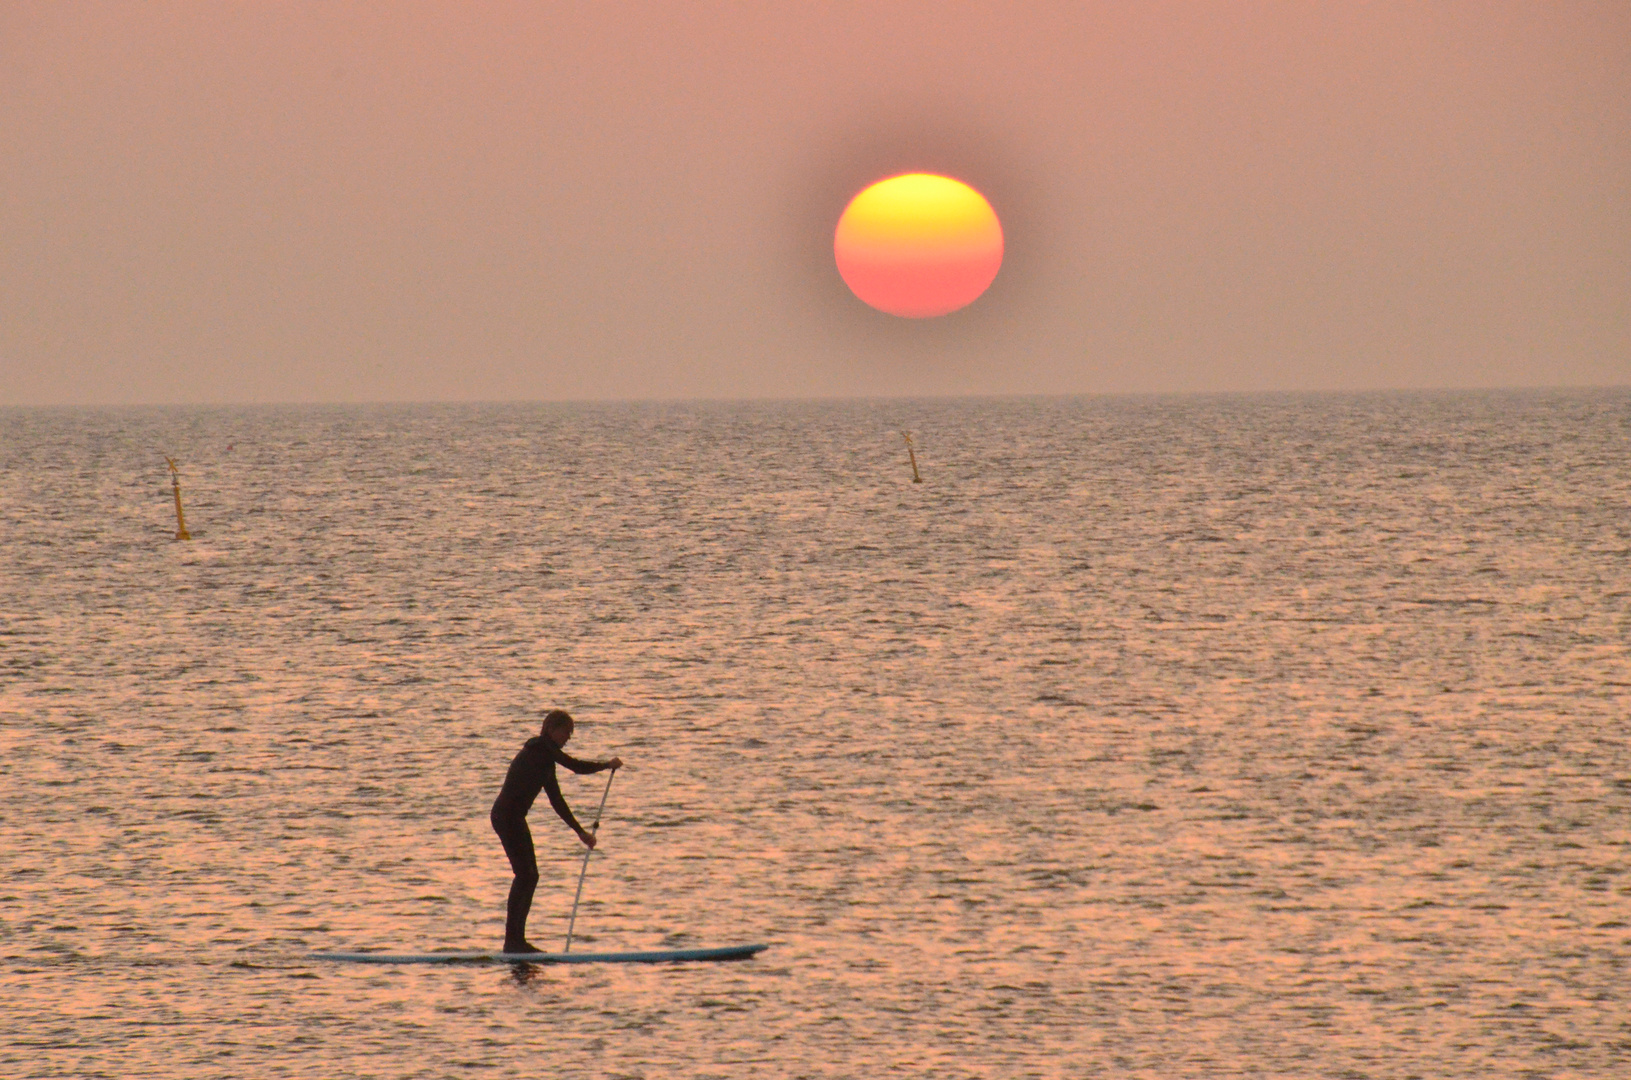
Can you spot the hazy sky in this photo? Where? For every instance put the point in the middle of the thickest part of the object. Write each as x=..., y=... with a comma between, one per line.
x=341, y=201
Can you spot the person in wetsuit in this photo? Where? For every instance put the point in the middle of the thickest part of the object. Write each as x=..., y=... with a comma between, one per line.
x=533, y=770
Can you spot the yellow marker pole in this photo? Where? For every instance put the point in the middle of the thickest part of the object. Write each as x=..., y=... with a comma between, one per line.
x=175, y=489
x=907, y=435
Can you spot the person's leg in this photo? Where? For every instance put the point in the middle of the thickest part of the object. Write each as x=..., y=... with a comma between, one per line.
x=517, y=840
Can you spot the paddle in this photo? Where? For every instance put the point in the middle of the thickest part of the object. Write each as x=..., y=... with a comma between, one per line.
x=594, y=830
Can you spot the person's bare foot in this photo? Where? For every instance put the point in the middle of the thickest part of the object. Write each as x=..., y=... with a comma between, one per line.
x=522, y=947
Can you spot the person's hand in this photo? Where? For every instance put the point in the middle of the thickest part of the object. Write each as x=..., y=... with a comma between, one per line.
x=588, y=839
x=615, y=763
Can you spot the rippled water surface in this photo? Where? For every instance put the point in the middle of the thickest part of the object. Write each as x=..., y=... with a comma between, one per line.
x=1146, y=737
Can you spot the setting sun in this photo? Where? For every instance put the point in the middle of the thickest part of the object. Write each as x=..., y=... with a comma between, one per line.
x=918, y=245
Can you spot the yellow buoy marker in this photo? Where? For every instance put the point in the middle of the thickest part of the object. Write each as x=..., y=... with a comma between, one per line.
x=175, y=489
x=907, y=435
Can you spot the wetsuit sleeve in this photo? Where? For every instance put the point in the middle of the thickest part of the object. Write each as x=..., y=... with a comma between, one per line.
x=552, y=788
x=578, y=766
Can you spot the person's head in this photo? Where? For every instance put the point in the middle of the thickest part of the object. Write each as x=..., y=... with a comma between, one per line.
x=557, y=726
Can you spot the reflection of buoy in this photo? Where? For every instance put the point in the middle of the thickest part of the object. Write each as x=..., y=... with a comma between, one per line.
x=907, y=435
x=175, y=489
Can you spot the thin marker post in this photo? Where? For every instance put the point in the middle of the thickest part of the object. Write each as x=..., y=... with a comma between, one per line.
x=175, y=489
x=594, y=830
x=907, y=435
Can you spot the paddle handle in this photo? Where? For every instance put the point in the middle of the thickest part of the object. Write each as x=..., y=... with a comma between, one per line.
x=588, y=851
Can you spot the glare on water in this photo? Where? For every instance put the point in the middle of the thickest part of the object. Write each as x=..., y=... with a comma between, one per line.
x=1183, y=737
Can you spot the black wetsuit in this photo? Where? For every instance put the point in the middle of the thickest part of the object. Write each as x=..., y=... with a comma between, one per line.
x=533, y=770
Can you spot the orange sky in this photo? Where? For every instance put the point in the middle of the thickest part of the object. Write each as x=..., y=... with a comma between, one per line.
x=397, y=201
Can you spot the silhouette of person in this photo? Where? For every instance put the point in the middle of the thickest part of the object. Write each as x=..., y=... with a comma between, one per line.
x=533, y=770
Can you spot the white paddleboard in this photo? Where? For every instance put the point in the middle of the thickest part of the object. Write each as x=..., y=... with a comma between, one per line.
x=650, y=956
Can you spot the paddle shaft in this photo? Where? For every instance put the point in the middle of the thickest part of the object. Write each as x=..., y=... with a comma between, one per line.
x=593, y=831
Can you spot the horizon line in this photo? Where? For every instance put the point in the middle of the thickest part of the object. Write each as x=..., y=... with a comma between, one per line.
x=826, y=398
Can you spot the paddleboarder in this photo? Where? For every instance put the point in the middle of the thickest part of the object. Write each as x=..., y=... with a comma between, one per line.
x=533, y=770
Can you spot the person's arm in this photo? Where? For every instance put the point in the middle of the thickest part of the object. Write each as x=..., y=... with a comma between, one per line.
x=583, y=768
x=552, y=788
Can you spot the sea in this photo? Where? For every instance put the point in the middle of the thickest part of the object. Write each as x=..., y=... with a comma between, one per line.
x=1280, y=735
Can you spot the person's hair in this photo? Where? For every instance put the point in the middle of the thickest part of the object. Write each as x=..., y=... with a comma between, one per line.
x=558, y=718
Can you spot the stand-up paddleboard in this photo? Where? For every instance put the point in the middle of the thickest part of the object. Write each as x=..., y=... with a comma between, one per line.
x=566, y=955
x=651, y=956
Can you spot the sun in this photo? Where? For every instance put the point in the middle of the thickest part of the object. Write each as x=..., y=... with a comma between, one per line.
x=918, y=245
